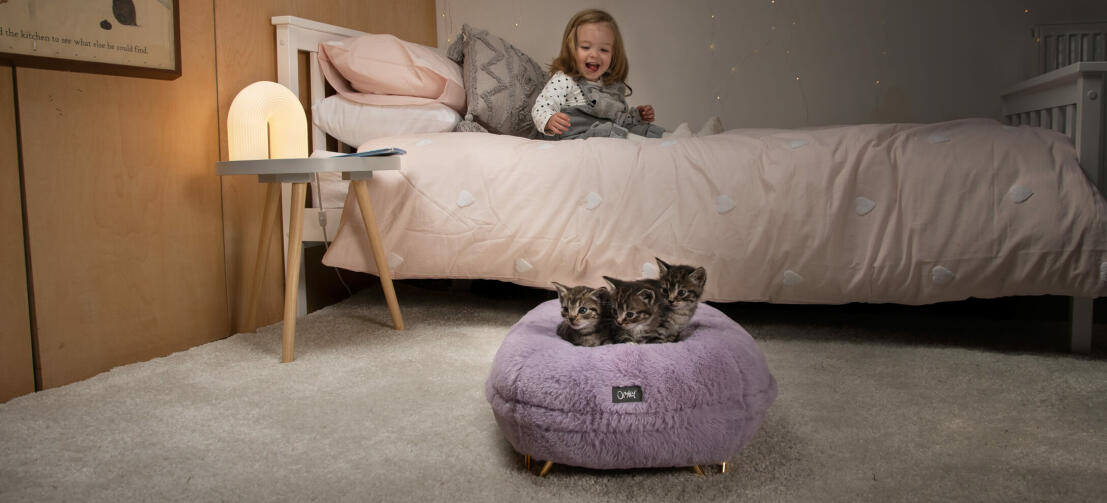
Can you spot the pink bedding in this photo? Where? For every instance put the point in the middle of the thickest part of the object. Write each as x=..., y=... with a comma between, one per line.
x=901, y=213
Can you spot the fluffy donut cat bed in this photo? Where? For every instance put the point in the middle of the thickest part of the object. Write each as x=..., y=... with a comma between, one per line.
x=697, y=401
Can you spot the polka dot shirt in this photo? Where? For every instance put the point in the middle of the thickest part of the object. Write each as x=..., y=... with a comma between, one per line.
x=561, y=91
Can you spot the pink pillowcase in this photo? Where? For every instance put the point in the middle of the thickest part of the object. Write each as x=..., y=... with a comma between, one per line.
x=384, y=70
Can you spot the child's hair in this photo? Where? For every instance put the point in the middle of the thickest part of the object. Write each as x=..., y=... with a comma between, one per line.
x=566, y=63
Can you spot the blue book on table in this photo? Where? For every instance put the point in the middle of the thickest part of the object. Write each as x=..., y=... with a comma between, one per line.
x=376, y=152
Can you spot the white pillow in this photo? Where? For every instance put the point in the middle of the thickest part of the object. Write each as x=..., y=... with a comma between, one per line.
x=355, y=123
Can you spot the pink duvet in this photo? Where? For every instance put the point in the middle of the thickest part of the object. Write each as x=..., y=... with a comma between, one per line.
x=899, y=213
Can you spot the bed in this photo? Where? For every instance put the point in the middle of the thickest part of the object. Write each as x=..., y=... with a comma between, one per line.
x=899, y=213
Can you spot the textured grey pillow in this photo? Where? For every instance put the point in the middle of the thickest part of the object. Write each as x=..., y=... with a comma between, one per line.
x=501, y=83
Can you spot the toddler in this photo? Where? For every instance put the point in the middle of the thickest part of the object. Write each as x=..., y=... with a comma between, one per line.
x=586, y=96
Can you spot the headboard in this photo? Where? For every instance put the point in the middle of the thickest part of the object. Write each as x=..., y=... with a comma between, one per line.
x=296, y=35
x=1060, y=45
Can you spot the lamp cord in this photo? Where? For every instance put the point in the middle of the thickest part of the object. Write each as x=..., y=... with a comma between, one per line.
x=323, y=225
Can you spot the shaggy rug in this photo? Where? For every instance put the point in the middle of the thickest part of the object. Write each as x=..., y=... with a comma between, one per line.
x=876, y=403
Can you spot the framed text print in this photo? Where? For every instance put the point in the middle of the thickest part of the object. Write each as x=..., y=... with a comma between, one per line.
x=137, y=38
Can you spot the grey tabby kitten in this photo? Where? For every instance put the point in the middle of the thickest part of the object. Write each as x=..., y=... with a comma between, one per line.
x=640, y=312
x=584, y=314
x=682, y=286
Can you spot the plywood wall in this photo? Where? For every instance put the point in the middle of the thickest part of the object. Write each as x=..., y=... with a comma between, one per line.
x=137, y=249
x=123, y=214
x=17, y=375
x=247, y=53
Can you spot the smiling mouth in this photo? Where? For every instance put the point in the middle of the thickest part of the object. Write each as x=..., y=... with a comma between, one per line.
x=592, y=67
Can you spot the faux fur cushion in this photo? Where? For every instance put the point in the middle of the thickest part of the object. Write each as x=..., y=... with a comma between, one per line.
x=701, y=399
x=501, y=82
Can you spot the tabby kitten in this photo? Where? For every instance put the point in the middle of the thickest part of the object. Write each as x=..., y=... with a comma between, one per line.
x=640, y=313
x=584, y=313
x=682, y=286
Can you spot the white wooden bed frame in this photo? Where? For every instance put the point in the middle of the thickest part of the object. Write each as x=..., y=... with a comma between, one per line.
x=296, y=35
x=1068, y=100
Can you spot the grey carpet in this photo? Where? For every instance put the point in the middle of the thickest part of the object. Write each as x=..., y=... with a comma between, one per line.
x=876, y=404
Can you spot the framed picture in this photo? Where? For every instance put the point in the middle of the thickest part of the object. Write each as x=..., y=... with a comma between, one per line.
x=137, y=38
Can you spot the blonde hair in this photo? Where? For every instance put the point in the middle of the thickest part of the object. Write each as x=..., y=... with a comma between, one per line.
x=567, y=63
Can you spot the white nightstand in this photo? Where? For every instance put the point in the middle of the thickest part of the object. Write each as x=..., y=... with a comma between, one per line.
x=299, y=172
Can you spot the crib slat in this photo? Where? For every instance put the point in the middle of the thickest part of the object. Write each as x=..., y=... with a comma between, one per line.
x=1062, y=49
x=1070, y=119
x=1058, y=119
x=1050, y=54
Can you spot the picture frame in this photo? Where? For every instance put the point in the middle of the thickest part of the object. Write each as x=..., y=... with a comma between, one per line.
x=135, y=38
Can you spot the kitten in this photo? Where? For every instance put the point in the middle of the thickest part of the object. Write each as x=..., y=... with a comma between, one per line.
x=584, y=313
x=640, y=313
x=682, y=286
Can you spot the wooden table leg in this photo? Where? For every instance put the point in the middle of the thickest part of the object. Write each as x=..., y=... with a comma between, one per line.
x=268, y=219
x=362, y=193
x=292, y=274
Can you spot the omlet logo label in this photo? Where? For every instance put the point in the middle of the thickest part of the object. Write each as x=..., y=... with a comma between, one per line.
x=622, y=394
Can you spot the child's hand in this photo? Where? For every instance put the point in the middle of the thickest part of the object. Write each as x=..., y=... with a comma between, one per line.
x=647, y=112
x=558, y=124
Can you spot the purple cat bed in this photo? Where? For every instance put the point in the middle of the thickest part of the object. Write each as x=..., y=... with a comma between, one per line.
x=694, y=402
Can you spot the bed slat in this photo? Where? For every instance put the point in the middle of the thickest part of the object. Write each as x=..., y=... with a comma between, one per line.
x=1060, y=45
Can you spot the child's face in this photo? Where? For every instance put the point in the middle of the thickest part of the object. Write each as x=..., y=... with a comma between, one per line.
x=595, y=41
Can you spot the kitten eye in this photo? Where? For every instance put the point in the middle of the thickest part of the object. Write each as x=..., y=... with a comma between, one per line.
x=681, y=292
x=582, y=310
x=630, y=315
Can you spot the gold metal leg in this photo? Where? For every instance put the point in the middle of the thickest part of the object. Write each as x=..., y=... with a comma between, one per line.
x=362, y=193
x=723, y=469
x=292, y=274
x=268, y=219
x=526, y=461
x=545, y=469
x=698, y=470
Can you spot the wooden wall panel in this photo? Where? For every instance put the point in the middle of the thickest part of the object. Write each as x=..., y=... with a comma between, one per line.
x=17, y=375
x=246, y=54
x=123, y=210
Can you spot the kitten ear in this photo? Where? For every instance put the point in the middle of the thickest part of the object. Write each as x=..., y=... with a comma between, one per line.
x=562, y=290
x=647, y=294
x=662, y=266
x=598, y=294
x=699, y=276
x=611, y=281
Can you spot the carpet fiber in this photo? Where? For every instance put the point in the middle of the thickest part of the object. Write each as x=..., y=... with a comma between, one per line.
x=875, y=404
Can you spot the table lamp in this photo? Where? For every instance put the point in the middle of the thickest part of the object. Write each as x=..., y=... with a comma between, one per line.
x=266, y=121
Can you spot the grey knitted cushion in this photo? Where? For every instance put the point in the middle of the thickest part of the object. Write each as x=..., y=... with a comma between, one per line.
x=501, y=82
